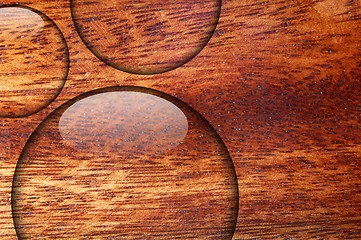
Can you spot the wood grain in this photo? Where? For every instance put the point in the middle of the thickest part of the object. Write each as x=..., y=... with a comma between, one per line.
x=280, y=82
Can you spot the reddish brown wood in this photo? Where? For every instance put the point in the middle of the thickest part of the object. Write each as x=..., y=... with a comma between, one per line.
x=280, y=83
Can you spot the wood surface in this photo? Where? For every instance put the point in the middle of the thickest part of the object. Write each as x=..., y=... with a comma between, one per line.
x=280, y=83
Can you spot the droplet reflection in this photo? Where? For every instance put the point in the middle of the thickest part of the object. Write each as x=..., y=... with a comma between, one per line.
x=13, y=17
x=125, y=121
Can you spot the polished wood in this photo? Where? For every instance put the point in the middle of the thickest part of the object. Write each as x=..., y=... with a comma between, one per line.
x=280, y=82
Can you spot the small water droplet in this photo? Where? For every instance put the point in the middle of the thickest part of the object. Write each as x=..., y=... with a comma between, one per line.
x=145, y=37
x=24, y=32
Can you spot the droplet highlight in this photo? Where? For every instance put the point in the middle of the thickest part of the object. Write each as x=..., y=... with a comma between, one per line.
x=133, y=122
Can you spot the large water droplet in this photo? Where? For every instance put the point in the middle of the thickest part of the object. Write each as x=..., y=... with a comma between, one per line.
x=145, y=37
x=33, y=61
x=125, y=163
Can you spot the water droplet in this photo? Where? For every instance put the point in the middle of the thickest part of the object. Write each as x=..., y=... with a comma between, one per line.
x=27, y=86
x=125, y=162
x=145, y=37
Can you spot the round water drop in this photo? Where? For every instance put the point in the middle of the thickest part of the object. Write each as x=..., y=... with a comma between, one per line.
x=125, y=163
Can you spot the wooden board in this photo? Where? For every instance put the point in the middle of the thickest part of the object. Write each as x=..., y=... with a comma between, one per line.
x=278, y=81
